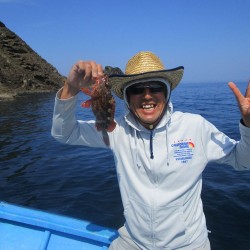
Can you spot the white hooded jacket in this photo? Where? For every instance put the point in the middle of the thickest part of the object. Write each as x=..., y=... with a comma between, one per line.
x=160, y=171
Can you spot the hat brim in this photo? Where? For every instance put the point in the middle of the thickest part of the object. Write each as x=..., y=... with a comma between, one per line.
x=118, y=82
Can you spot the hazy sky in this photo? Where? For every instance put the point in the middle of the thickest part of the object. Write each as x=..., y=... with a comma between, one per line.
x=210, y=38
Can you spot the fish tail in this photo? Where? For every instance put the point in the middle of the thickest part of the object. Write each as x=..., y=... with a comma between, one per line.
x=105, y=137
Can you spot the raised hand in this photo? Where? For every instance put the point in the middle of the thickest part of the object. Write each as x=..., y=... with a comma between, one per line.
x=243, y=102
x=80, y=75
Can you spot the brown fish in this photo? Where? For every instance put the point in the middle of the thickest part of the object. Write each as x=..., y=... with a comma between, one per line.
x=103, y=105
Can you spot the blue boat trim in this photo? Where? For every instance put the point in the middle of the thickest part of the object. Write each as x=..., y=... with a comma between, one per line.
x=26, y=228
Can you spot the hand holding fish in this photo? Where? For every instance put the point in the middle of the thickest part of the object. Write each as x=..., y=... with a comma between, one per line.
x=82, y=74
x=88, y=76
x=103, y=105
x=243, y=102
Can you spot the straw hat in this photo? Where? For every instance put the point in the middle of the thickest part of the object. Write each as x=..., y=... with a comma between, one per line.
x=144, y=65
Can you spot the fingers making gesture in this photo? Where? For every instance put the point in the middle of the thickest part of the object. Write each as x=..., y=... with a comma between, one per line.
x=243, y=102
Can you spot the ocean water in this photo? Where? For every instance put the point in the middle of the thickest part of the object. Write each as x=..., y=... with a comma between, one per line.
x=38, y=172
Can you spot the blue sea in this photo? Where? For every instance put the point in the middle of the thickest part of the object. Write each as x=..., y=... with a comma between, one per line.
x=38, y=172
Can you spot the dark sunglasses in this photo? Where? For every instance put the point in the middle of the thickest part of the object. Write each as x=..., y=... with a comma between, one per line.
x=138, y=89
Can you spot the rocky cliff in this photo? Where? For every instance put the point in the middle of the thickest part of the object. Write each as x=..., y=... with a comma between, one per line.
x=22, y=70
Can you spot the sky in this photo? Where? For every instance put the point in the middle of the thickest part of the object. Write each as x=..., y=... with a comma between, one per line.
x=210, y=38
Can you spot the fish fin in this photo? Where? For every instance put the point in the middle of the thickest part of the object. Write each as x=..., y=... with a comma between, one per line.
x=86, y=91
x=86, y=104
x=112, y=126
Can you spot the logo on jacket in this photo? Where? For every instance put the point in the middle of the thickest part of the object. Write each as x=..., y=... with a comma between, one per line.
x=183, y=150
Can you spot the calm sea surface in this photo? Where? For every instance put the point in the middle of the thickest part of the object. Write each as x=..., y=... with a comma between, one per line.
x=38, y=172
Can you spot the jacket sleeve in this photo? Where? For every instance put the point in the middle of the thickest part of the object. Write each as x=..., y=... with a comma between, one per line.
x=222, y=149
x=66, y=129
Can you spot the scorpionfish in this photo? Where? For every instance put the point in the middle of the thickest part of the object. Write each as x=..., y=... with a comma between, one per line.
x=103, y=105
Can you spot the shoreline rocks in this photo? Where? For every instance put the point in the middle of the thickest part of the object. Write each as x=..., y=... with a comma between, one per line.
x=22, y=70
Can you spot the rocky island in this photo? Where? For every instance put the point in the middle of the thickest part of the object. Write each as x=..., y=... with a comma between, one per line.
x=22, y=70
